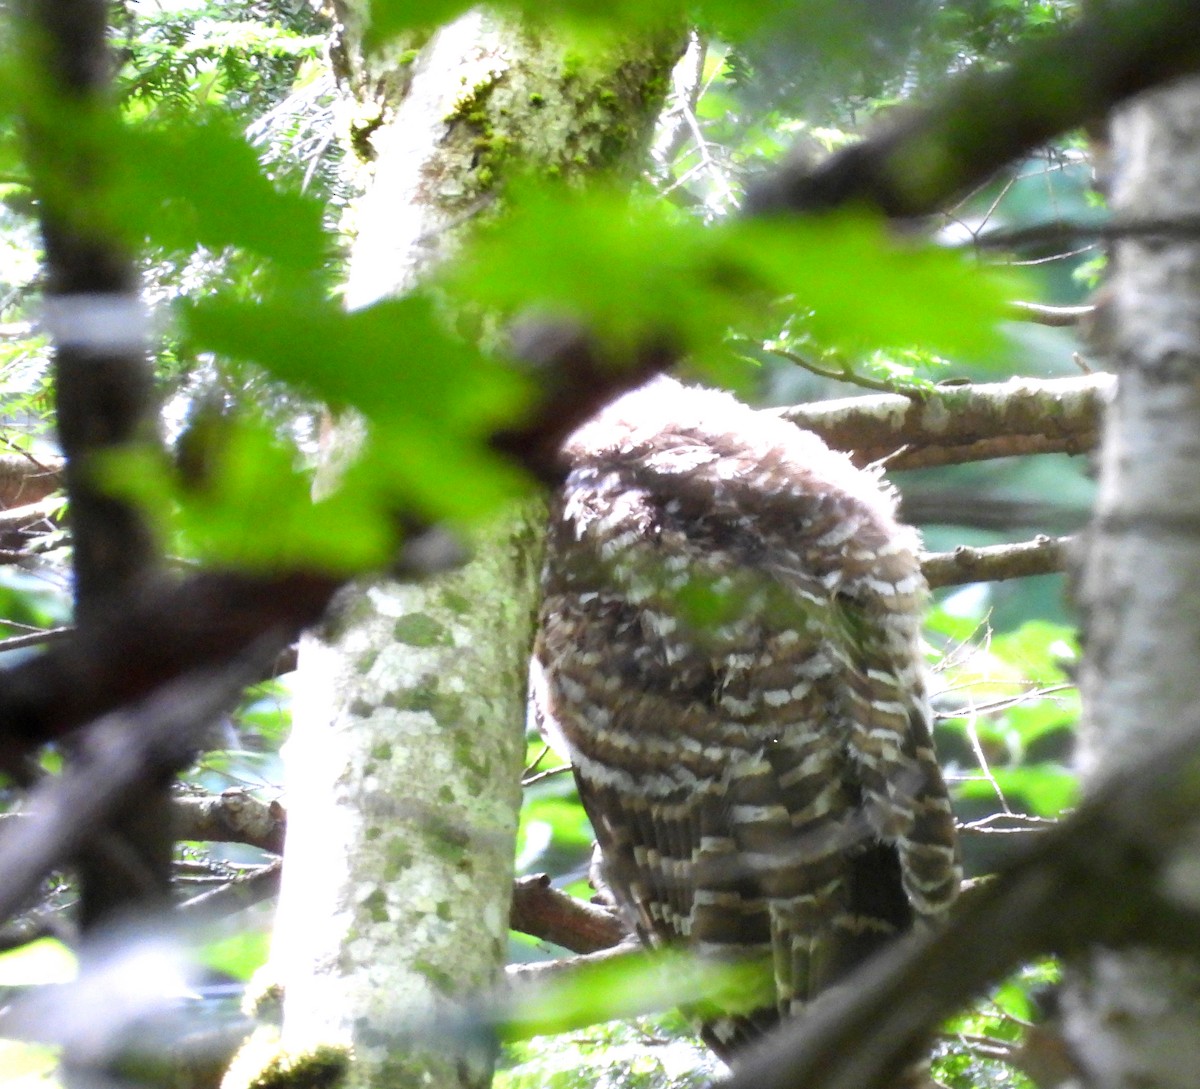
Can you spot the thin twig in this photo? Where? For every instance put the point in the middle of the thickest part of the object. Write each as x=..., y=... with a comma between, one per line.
x=560, y=770
x=33, y=639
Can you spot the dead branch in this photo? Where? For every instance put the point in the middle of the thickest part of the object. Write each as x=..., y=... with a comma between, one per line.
x=33, y=638
x=978, y=509
x=534, y=975
x=555, y=916
x=28, y=479
x=1041, y=556
x=1057, y=316
x=233, y=816
x=233, y=896
x=929, y=156
x=15, y=519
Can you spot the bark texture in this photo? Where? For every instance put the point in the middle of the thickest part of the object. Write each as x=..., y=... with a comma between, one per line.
x=405, y=759
x=403, y=776
x=1133, y=1018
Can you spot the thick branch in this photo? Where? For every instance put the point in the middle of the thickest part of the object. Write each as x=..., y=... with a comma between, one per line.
x=233, y=816
x=25, y=479
x=116, y=758
x=955, y=424
x=930, y=156
x=558, y=917
x=162, y=632
x=1041, y=556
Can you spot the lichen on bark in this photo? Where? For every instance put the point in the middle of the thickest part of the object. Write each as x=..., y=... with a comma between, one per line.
x=405, y=758
x=1132, y=1017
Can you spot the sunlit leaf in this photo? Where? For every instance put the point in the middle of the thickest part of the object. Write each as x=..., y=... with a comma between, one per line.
x=239, y=954
x=44, y=961
x=639, y=271
x=1043, y=790
x=636, y=984
x=255, y=509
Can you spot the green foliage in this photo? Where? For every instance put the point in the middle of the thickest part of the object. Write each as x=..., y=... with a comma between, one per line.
x=977, y=1047
x=637, y=983
x=197, y=183
x=636, y=271
x=180, y=59
x=255, y=509
x=258, y=261
x=239, y=954
x=431, y=400
x=1007, y=715
x=646, y=1054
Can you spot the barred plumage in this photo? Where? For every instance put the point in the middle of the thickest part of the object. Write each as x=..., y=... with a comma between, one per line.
x=728, y=650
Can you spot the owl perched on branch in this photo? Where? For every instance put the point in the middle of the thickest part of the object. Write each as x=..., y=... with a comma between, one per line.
x=729, y=653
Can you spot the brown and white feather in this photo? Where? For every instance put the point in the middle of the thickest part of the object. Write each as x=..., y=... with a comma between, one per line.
x=728, y=651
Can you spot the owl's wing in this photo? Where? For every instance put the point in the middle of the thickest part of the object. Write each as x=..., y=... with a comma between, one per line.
x=721, y=796
x=729, y=641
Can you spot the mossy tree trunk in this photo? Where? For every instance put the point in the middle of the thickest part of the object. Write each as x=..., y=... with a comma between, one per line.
x=404, y=763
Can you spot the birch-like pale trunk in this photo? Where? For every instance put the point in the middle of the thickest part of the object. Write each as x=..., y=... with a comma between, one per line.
x=404, y=762
x=1132, y=1018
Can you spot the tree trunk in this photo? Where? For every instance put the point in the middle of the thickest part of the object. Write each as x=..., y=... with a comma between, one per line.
x=1132, y=1018
x=404, y=763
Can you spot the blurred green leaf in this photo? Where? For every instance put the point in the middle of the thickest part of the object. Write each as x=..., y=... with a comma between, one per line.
x=431, y=400
x=1037, y=718
x=190, y=180
x=392, y=361
x=563, y=817
x=239, y=954
x=1042, y=790
x=1040, y=650
x=638, y=271
x=634, y=984
x=28, y=1066
x=46, y=960
x=389, y=18
x=198, y=182
x=255, y=509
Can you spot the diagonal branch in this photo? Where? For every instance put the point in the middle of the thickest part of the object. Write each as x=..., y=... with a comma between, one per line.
x=930, y=156
x=116, y=756
x=1106, y=874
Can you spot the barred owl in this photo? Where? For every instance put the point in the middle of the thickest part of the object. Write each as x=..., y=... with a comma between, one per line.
x=728, y=652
